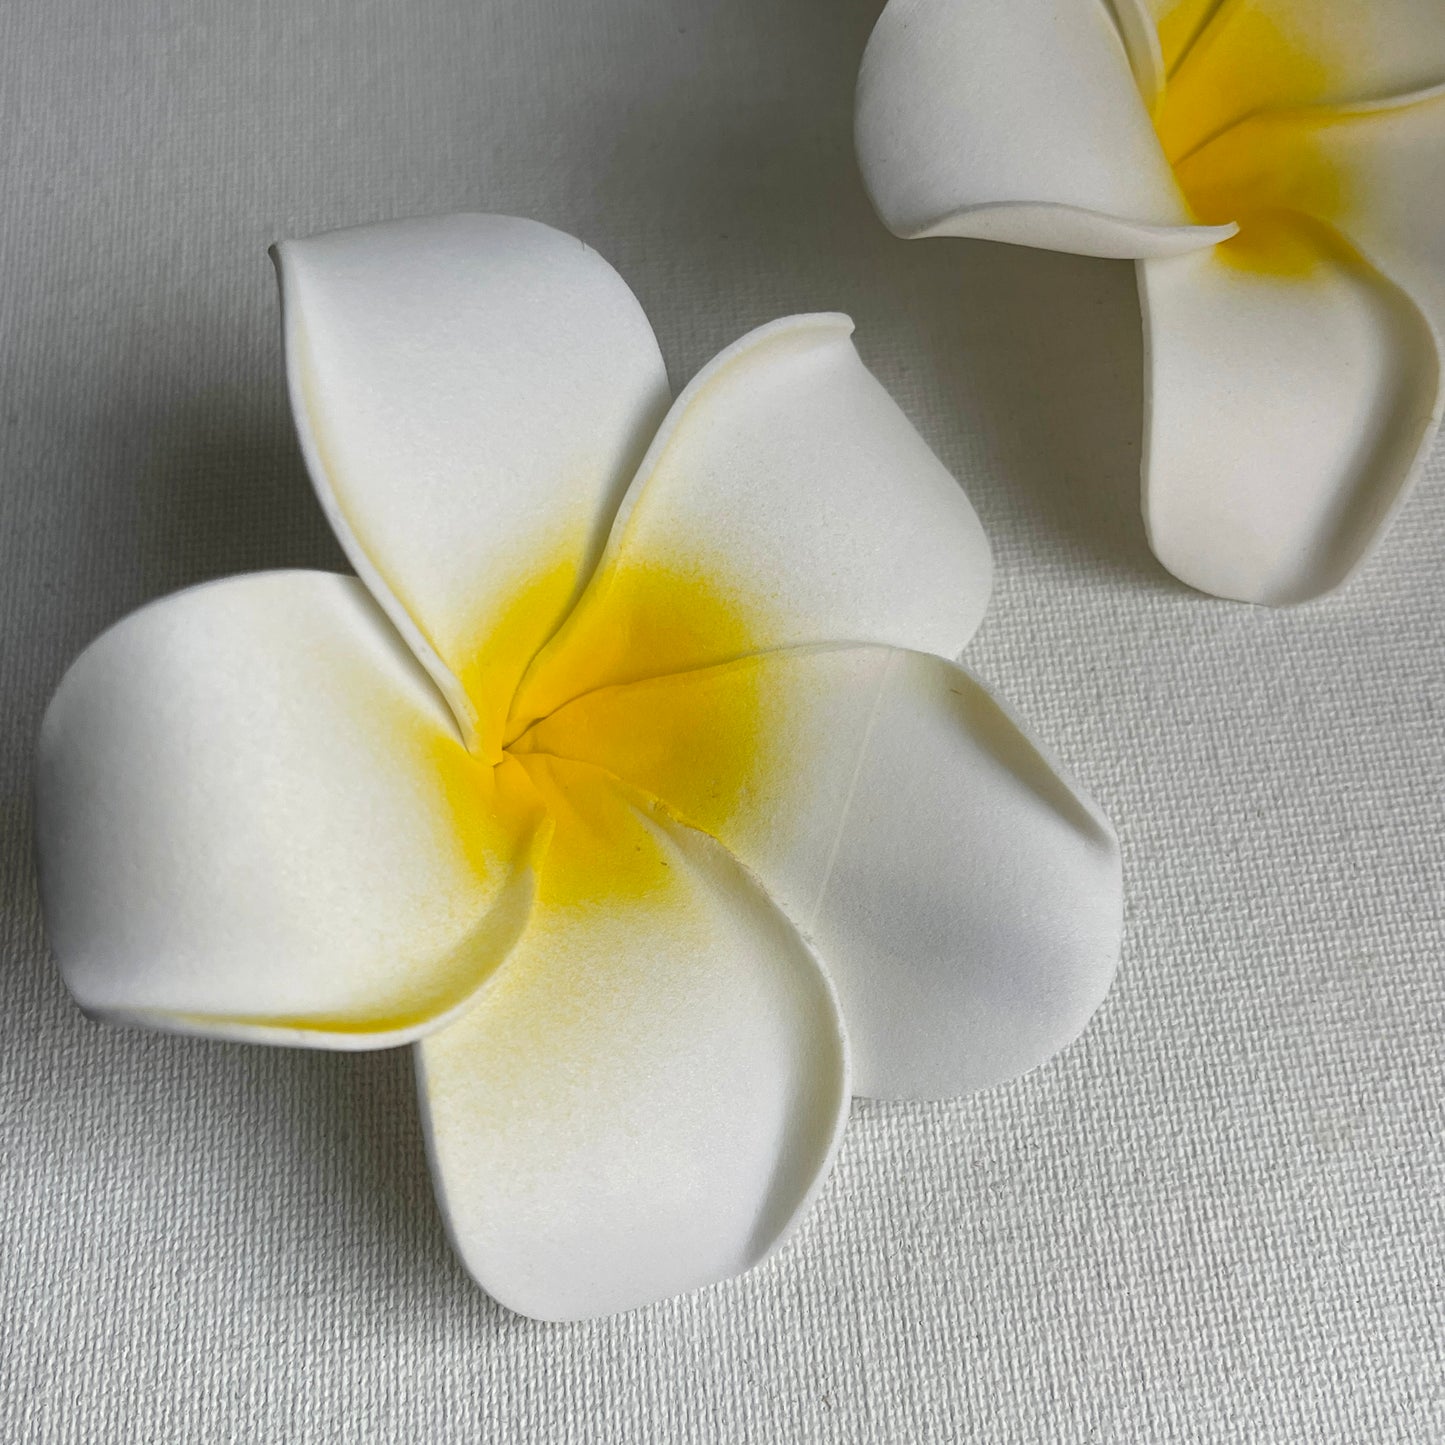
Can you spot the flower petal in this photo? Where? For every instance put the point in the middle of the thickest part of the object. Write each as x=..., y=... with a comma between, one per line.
x=472, y=394
x=256, y=820
x=1373, y=171
x=1015, y=120
x=964, y=897
x=1291, y=393
x=1227, y=59
x=1137, y=29
x=786, y=500
x=645, y=1099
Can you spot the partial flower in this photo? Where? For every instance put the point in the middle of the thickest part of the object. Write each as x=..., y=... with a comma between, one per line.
x=1277, y=169
x=630, y=779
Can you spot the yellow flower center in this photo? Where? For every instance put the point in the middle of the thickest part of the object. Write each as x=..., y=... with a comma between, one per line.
x=1235, y=122
x=633, y=625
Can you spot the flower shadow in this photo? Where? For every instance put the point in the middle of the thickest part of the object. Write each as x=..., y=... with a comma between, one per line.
x=223, y=489
x=354, y=1135
x=1059, y=377
x=196, y=488
x=205, y=486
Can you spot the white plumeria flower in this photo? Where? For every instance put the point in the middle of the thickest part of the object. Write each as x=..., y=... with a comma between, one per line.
x=628, y=779
x=1277, y=168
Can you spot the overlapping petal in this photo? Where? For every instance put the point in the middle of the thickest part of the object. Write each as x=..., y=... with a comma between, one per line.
x=1015, y=120
x=1294, y=386
x=786, y=500
x=1373, y=172
x=1139, y=33
x=256, y=820
x=645, y=1098
x=647, y=751
x=1227, y=59
x=964, y=895
x=1287, y=412
x=1295, y=381
x=472, y=394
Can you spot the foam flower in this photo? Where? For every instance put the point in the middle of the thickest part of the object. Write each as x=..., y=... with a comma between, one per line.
x=630, y=779
x=1277, y=169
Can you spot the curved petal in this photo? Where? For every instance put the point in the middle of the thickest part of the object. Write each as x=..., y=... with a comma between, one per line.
x=1290, y=396
x=1015, y=120
x=1372, y=171
x=647, y=1096
x=1140, y=34
x=786, y=500
x=256, y=820
x=964, y=897
x=1228, y=59
x=472, y=394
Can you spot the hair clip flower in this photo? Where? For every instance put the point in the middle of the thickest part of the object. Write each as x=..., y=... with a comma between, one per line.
x=628, y=779
x=1277, y=169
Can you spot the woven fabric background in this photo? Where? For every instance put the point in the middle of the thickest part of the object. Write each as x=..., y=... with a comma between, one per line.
x=1218, y=1218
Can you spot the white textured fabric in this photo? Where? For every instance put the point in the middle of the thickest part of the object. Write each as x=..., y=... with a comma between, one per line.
x=1216, y=1218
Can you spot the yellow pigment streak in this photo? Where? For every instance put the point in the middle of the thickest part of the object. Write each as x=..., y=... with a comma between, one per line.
x=491, y=809
x=635, y=621
x=696, y=740
x=1179, y=27
x=513, y=631
x=601, y=852
x=641, y=636
x=497, y=820
x=579, y=822
x=1232, y=127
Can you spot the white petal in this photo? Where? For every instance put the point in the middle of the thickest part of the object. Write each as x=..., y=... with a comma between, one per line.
x=786, y=500
x=472, y=394
x=256, y=820
x=1015, y=120
x=964, y=897
x=1288, y=410
x=1374, y=172
x=645, y=1098
x=1140, y=34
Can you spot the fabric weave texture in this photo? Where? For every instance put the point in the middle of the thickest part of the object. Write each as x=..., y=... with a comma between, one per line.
x=1216, y=1218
